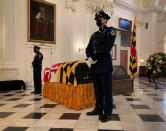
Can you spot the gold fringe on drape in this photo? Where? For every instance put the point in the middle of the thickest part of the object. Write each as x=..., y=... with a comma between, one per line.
x=73, y=97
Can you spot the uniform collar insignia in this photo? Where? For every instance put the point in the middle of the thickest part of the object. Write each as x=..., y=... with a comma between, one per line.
x=102, y=28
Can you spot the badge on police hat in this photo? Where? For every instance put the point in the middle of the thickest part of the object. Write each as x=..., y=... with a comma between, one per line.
x=102, y=14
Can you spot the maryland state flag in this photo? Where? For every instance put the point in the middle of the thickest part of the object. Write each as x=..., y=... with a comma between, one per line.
x=133, y=55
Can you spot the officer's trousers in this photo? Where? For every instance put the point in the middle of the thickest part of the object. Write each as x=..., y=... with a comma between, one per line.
x=103, y=93
x=37, y=79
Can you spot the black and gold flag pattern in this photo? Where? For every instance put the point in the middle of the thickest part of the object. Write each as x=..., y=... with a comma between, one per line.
x=73, y=73
x=133, y=55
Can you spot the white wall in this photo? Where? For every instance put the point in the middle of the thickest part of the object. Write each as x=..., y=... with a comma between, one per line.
x=7, y=32
x=149, y=39
x=8, y=69
x=1, y=41
x=161, y=34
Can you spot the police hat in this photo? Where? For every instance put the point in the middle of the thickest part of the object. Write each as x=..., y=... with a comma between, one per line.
x=102, y=14
x=36, y=47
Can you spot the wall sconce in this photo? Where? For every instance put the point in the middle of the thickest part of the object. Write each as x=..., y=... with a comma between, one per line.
x=142, y=61
x=81, y=49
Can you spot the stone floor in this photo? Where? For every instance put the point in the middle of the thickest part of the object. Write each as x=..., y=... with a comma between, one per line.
x=143, y=110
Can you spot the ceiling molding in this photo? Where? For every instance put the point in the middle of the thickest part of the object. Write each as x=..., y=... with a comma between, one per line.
x=125, y=4
x=152, y=9
x=138, y=8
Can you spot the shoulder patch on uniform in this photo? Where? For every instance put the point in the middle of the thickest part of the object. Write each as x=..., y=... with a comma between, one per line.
x=113, y=32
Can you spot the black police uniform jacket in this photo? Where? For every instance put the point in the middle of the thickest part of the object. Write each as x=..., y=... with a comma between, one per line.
x=99, y=48
x=37, y=62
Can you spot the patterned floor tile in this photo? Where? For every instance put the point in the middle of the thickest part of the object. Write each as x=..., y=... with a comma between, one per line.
x=142, y=110
x=9, y=95
x=2, y=105
x=140, y=106
x=48, y=106
x=111, y=125
x=151, y=94
x=61, y=129
x=151, y=118
x=34, y=116
x=160, y=99
x=22, y=105
x=5, y=114
x=15, y=129
x=14, y=99
x=65, y=124
x=133, y=99
x=36, y=99
x=70, y=116
x=38, y=129
x=115, y=117
x=85, y=124
x=110, y=130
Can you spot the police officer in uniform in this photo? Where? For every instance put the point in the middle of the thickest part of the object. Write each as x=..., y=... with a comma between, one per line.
x=37, y=68
x=99, y=57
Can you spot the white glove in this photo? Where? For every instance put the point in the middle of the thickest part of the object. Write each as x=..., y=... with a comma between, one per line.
x=90, y=61
x=87, y=62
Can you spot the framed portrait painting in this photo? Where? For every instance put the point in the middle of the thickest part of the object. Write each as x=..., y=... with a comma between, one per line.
x=41, y=22
x=125, y=36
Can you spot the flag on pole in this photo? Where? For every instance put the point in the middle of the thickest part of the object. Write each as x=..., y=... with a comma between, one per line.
x=133, y=54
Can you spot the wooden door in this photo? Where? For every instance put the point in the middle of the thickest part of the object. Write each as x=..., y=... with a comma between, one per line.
x=124, y=59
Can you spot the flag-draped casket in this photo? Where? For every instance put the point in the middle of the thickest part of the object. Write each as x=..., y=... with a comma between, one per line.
x=69, y=84
x=72, y=73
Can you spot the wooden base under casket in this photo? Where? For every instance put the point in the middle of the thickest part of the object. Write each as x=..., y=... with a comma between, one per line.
x=81, y=96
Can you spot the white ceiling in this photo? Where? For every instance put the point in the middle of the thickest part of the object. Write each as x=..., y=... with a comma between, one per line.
x=151, y=3
x=144, y=4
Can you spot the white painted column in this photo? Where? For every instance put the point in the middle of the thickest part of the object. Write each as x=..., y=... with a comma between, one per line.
x=8, y=69
x=164, y=50
x=154, y=31
x=1, y=40
x=8, y=32
x=148, y=36
x=140, y=25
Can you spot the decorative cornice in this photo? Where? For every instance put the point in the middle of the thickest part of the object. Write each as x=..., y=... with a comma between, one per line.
x=125, y=4
x=138, y=8
x=96, y=5
x=155, y=9
x=70, y=4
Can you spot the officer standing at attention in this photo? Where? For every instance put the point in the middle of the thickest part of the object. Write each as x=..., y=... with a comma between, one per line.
x=37, y=68
x=99, y=57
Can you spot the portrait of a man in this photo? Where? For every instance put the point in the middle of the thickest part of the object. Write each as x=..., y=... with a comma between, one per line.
x=41, y=22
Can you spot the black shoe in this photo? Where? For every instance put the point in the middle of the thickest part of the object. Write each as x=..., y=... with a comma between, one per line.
x=100, y=117
x=92, y=113
x=33, y=92
x=105, y=118
x=37, y=92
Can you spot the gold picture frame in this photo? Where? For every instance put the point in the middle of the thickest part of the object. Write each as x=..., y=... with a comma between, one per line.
x=41, y=22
